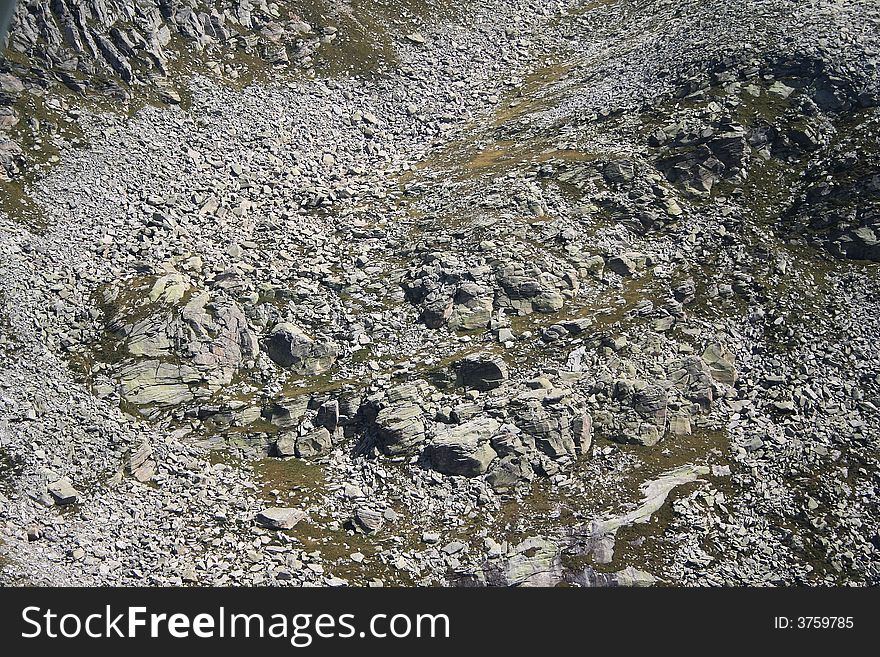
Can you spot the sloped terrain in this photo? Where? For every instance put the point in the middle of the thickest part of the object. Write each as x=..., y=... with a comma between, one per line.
x=499, y=293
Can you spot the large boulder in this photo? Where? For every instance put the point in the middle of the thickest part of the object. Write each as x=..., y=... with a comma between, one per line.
x=631, y=430
x=437, y=312
x=509, y=472
x=285, y=444
x=631, y=263
x=311, y=444
x=328, y=415
x=400, y=429
x=282, y=518
x=11, y=159
x=395, y=418
x=551, y=427
x=288, y=412
x=650, y=402
x=141, y=464
x=619, y=171
x=368, y=520
x=289, y=347
x=171, y=342
x=463, y=449
x=314, y=443
x=721, y=364
x=582, y=432
x=481, y=371
x=534, y=562
x=63, y=492
x=638, y=416
x=153, y=382
x=693, y=377
x=528, y=289
x=473, y=307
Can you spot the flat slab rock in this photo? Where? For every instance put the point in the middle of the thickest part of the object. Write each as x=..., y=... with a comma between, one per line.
x=280, y=517
x=63, y=492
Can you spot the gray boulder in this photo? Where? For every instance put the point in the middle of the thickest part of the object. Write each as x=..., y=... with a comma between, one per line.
x=11, y=159
x=693, y=377
x=316, y=442
x=400, y=429
x=289, y=347
x=175, y=341
x=551, y=428
x=536, y=562
x=287, y=413
x=631, y=263
x=650, y=403
x=720, y=362
x=280, y=518
x=328, y=415
x=63, y=492
x=619, y=171
x=437, y=313
x=481, y=371
x=368, y=520
x=505, y=474
x=527, y=289
x=463, y=449
x=285, y=445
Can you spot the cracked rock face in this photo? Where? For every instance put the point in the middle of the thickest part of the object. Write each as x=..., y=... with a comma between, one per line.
x=175, y=341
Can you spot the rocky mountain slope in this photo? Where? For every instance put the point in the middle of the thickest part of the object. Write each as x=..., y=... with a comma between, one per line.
x=383, y=292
